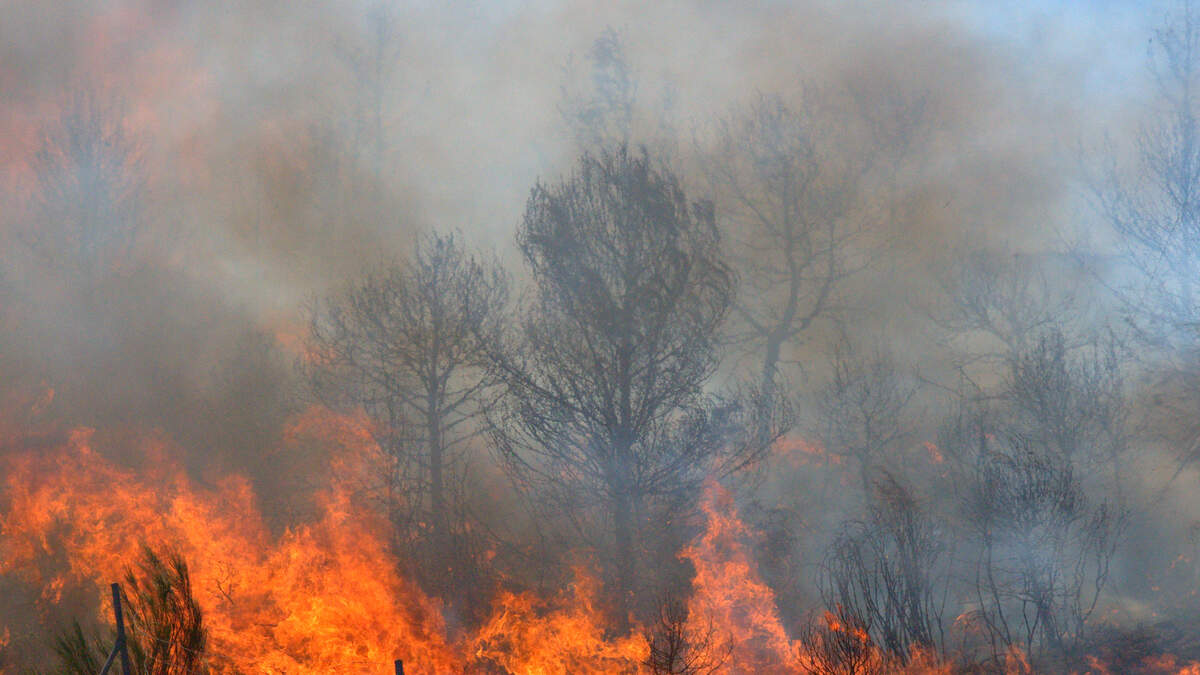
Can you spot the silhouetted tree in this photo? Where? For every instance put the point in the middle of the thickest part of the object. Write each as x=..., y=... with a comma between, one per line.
x=600, y=110
x=1008, y=298
x=168, y=629
x=89, y=190
x=1038, y=467
x=889, y=572
x=862, y=410
x=604, y=103
x=404, y=345
x=679, y=649
x=839, y=643
x=373, y=68
x=1035, y=451
x=605, y=407
x=788, y=213
x=1156, y=208
x=1153, y=206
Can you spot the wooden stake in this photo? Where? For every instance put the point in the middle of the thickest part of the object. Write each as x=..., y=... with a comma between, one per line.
x=119, y=647
x=121, y=640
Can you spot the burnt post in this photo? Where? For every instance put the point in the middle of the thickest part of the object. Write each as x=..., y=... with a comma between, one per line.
x=119, y=647
x=121, y=639
x=399, y=667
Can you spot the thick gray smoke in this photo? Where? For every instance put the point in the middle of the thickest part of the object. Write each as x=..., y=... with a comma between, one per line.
x=266, y=153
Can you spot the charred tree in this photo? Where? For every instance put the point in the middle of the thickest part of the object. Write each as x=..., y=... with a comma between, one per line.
x=373, y=68
x=677, y=648
x=1038, y=465
x=839, y=643
x=1035, y=451
x=863, y=409
x=404, y=345
x=88, y=198
x=887, y=574
x=605, y=410
x=788, y=212
x=604, y=104
x=1152, y=205
x=600, y=110
x=1156, y=208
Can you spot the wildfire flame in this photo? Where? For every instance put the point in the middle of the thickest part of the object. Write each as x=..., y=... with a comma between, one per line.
x=325, y=596
x=728, y=591
x=321, y=597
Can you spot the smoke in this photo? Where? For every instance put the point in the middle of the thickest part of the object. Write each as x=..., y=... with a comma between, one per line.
x=286, y=147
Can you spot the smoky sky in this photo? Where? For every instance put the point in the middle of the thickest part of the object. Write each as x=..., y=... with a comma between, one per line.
x=289, y=146
x=246, y=99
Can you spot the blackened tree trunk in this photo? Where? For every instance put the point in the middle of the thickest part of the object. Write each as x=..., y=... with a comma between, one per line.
x=605, y=410
x=405, y=346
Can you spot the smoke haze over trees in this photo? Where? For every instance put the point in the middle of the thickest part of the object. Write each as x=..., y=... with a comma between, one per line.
x=536, y=288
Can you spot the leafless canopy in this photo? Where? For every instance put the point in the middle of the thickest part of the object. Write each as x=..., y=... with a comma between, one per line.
x=606, y=407
x=601, y=113
x=89, y=191
x=787, y=207
x=1042, y=489
x=1153, y=207
x=883, y=572
x=404, y=345
x=1158, y=215
x=863, y=409
x=679, y=649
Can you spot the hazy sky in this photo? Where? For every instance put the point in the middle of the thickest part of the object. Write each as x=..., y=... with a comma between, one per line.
x=250, y=112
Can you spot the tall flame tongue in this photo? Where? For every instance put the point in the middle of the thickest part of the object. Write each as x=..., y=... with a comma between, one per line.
x=730, y=595
x=323, y=597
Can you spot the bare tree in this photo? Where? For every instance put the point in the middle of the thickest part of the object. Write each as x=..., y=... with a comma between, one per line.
x=1044, y=551
x=373, y=69
x=1153, y=206
x=862, y=410
x=1038, y=463
x=1034, y=449
x=1007, y=297
x=600, y=110
x=604, y=102
x=404, y=345
x=86, y=211
x=676, y=648
x=605, y=409
x=889, y=572
x=1156, y=209
x=787, y=207
x=839, y=643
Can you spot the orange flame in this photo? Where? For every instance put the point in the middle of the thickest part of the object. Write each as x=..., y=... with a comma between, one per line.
x=798, y=451
x=325, y=596
x=523, y=637
x=729, y=593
